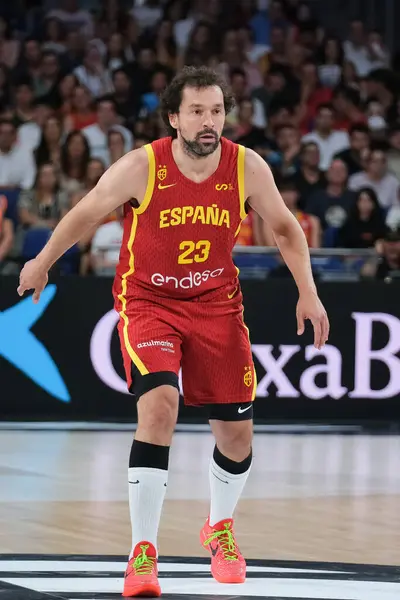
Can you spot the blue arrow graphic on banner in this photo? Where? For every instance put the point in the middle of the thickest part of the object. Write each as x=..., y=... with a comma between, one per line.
x=23, y=350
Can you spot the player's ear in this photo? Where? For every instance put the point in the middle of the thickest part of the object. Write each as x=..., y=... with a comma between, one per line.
x=173, y=120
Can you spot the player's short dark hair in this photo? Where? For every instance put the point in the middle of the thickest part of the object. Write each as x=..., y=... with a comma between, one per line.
x=194, y=77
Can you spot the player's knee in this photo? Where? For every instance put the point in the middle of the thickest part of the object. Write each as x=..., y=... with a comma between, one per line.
x=158, y=410
x=234, y=439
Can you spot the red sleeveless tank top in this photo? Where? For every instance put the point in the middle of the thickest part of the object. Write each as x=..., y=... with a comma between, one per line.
x=179, y=242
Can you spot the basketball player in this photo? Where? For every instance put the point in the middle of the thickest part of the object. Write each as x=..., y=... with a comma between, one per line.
x=178, y=295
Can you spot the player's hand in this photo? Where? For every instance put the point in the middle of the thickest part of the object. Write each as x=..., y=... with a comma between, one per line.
x=33, y=277
x=310, y=307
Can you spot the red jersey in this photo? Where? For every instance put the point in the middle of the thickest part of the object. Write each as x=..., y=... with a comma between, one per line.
x=179, y=242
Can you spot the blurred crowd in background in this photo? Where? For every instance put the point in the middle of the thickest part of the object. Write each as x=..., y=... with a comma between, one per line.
x=80, y=83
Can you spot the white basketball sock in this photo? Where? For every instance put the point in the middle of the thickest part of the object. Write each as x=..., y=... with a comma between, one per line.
x=147, y=489
x=226, y=490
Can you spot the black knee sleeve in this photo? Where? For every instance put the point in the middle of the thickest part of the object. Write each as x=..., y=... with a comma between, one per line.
x=149, y=455
x=230, y=466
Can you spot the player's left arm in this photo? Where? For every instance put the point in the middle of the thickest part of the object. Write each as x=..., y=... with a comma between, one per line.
x=264, y=197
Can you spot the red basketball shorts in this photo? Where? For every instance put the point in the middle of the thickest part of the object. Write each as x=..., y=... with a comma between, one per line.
x=207, y=339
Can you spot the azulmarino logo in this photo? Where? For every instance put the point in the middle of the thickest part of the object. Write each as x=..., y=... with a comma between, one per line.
x=23, y=350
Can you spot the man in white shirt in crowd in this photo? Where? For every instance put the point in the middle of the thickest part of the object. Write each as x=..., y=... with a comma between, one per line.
x=106, y=245
x=329, y=141
x=377, y=177
x=96, y=135
x=366, y=53
x=17, y=166
x=30, y=134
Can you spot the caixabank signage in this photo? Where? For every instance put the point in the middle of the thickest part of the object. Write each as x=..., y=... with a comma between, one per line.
x=60, y=358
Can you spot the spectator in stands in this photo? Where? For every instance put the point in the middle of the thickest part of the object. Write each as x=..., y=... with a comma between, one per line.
x=47, y=80
x=75, y=155
x=30, y=133
x=357, y=50
x=96, y=134
x=81, y=114
x=115, y=58
x=240, y=91
x=23, y=99
x=95, y=169
x=312, y=95
x=393, y=154
x=309, y=223
x=308, y=178
x=200, y=47
x=73, y=18
x=65, y=92
x=9, y=48
x=389, y=260
x=151, y=100
x=105, y=246
x=330, y=142
x=332, y=205
x=377, y=177
x=28, y=66
x=165, y=44
x=44, y=204
x=116, y=146
x=127, y=104
x=275, y=81
x=244, y=132
x=93, y=74
x=359, y=142
x=6, y=232
x=49, y=149
x=147, y=13
x=330, y=62
x=346, y=103
x=53, y=36
x=17, y=166
x=285, y=161
x=75, y=44
x=365, y=224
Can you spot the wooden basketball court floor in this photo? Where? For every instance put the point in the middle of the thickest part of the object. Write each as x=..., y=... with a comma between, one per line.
x=321, y=513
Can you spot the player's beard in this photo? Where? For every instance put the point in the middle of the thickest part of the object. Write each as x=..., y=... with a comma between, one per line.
x=198, y=149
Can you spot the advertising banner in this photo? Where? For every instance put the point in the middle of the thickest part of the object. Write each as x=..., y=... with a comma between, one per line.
x=60, y=359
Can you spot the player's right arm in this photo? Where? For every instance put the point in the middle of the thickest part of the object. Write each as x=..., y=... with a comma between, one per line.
x=124, y=180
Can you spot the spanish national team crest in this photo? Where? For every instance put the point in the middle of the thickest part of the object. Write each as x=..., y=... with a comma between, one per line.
x=248, y=376
x=162, y=172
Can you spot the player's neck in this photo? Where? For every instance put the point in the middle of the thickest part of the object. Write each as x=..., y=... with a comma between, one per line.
x=195, y=168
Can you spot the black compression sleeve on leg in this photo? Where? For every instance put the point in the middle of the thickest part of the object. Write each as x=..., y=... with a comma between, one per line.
x=149, y=455
x=230, y=466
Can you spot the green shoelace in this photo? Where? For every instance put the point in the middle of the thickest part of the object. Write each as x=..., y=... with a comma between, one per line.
x=226, y=541
x=143, y=564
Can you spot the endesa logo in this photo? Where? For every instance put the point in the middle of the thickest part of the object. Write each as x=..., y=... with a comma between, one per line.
x=185, y=283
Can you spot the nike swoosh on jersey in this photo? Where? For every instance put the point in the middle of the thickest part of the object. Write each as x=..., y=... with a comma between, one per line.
x=164, y=187
x=230, y=296
x=242, y=410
